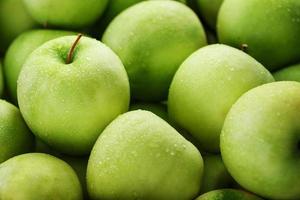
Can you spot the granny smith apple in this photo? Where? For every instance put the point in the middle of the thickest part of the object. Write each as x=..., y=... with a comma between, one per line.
x=270, y=29
x=291, y=73
x=209, y=10
x=228, y=194
x=69, y=91
x=206, y=85
x=20, y=49
x=154, y=42
x=140, y=156
x=1, y=79
x=78, y=163
x=215, y=174
x=66, y=13
x=15, y=137
x=14, y=19
x=36, y=176
x=260, y=140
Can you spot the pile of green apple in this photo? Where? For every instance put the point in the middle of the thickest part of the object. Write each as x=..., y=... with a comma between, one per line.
x=149, y=99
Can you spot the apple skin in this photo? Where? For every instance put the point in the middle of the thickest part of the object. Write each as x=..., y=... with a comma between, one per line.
x=228, y=194
x=140, y=156
x=156, y=108
x=291, y=73
x=206, y=85
x=15, y=137
x=260, y=140
x=21, y=48
x=68, y=105
x=247, y=22
x=14, y=20
x=66, y=13
x=36, y=176
x=215, y=174
x=208, y=10
x=153, y=45
x=78, y=163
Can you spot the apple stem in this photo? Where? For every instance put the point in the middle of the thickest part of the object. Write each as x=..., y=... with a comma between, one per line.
x=244, y=47
x=71, y=51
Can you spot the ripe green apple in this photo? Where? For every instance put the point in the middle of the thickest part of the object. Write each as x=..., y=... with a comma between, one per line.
x=209, y=10
x=78, y=163
x=228, y=194
x=269, y=28
x=14, y=19
x=15, y=137
x=260, y=140
x=66, y=13
x=36, y=176
x=140, y=156
x=205, y=87
x=291, y=73
x=215, y=174
x=154, y=42
x=20, y=49
x=68, y=105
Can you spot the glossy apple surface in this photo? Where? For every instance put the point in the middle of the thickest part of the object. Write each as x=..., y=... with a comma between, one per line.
x=65, y=13
x=260, y=140
x=15, y=137
x=140, y=156
x=20, y=49
x=36, y=176
x=269, y=28
x=205, y=87
x=153, y=44
x=68, y=105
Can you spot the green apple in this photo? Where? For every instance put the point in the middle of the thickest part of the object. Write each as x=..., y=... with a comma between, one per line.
x=153, y=44
x=1, y=79
x=14, y=19
x=66, y=13
x=260, y=140
x=209, y=10
x=140, y=156
x=68, y=102
x=215, y=174
x=79, y=164
x=270, y=29
x=291, y=73
x=15, y=137
x=206, y=85
x=36, y=176
x=20, y=49
x=228, y=194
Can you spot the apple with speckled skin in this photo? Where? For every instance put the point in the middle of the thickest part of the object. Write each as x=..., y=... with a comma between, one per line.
x=205, y=87
x=36, y=176
x=260, y=140
x=14, y=19
x=21, y=48
x=66, y=13
x=142, y=149
x=270, y=29
x=69, y=89
x=153, y=45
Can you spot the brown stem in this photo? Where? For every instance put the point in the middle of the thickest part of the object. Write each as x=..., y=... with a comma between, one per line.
x=71, y=51
x=244, y=47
